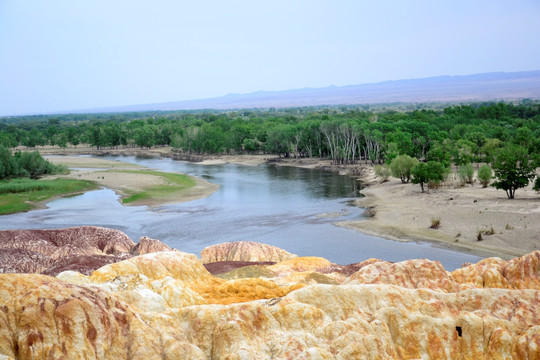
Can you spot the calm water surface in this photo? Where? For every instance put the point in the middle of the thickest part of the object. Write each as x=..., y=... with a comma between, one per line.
x=282, y=206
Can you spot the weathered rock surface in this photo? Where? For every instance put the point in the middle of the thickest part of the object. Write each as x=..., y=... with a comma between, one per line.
x=244, y=251
x=518, y=273
x=83, y=249
x=23, y=261
x=147, y=246
x=84, y=264
x=45, y=318
x=166, y=305
x=61, y=243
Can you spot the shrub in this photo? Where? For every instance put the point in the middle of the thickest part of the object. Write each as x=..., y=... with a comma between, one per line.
x=435, y=222
x=479, y=235
x=485, y=174
x=466, y=173
x=401, y=167
x=382, y=171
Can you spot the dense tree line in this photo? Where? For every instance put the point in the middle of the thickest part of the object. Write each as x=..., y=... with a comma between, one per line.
x=458, y=134
x=455, y=135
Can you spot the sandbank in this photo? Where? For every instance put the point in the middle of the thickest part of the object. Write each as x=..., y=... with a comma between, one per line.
x=110, y=174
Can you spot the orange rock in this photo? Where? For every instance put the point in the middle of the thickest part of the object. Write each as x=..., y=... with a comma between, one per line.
x=45, y=318
x=524, y=272
x=299, y=264
x=156, y=281
x=410, y=274
x=167, y=306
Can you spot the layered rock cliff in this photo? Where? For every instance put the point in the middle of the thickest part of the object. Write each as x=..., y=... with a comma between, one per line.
x=168, y=306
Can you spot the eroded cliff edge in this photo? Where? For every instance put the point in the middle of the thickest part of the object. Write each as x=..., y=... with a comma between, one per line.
x=166, y=305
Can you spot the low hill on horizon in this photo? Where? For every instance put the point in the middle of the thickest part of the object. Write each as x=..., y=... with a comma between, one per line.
x=496, y=86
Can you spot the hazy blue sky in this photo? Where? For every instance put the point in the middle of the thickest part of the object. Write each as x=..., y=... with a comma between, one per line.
x=64, y=55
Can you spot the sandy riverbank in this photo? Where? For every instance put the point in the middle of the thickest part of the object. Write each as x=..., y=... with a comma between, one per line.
x=109, y=174
x=403, y=213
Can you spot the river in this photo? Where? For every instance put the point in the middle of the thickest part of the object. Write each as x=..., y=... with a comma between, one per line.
x=292, y=208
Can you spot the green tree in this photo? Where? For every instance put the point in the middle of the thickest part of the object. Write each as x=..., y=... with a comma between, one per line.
x=441, y=151
x=8, y=165
x=513, y=169
x=463, y=152
x=536, y=186
x=489, y=149
x=401, y=167
x=524, y=137
x=485, y=174
x=8, y=140
x=424, y=173
x=32, y=165
x=144, y=137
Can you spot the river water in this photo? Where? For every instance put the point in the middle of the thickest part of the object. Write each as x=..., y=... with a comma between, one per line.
x=292, y=208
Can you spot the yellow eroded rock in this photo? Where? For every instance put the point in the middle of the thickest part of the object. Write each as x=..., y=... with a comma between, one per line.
x=300, y=264
x=167, y=306
x=45, y=318
x=158, y=281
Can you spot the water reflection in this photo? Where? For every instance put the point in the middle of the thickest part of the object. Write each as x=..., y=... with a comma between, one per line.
x=281, y=206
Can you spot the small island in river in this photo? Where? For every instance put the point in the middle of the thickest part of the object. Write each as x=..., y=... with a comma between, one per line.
x=135, y=184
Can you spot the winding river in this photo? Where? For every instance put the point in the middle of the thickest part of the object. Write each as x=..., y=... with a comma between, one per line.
x=292, y=208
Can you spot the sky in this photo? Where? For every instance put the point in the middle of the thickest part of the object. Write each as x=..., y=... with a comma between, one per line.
x=62, y=55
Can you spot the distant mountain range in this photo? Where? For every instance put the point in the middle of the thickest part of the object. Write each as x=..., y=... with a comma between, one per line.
x=448, y=89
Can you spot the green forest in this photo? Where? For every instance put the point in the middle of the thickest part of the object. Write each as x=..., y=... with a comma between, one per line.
x=455, y=135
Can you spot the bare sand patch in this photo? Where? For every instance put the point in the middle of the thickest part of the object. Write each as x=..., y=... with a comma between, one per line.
x=85, y=149
x=250, y=160
x=403, y=212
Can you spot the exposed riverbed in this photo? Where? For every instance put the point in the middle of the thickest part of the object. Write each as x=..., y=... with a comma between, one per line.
x=292, y=208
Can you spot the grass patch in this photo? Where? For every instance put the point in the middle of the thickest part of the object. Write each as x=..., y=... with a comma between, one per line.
x=21, y=194
x=175, y=183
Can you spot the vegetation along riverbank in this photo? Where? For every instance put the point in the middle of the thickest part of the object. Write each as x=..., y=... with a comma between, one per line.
x=463, y=175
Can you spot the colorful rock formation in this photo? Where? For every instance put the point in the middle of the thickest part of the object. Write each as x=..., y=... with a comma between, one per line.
x=166, y=305
x=147, y=246
x=82, y=249
x=58, y=243
x=244, y=251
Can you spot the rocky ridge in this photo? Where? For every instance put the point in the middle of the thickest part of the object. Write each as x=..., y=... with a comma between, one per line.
x=166, y=305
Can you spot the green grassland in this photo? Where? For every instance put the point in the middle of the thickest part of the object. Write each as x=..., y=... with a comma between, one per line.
x=19, y=195
x=175, y=184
